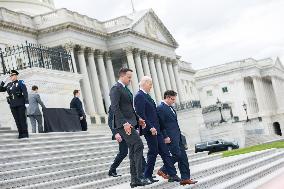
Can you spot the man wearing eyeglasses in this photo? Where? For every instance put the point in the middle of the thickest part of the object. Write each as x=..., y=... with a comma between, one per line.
x=18, y=101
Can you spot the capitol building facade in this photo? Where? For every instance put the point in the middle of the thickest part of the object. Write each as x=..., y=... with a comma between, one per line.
x=89, y=52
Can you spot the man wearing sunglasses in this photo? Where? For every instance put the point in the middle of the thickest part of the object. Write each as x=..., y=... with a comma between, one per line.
x=18, y=100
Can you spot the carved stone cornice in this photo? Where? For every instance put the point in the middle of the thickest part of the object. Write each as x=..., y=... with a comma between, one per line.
x=17, y=28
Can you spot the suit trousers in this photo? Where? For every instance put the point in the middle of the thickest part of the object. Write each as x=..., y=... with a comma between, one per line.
x=19, y=114
x=135, y=146
x=33, y=120
x=83, y=123
x=157, y=146
x=123, y=151
x=179, y=155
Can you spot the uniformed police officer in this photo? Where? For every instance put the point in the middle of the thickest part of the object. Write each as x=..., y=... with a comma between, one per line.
x=18, y=101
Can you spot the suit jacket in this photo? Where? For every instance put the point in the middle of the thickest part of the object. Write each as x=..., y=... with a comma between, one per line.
x=34, y=101
x=168, y=122
x=122, y=107
x=77, y=104
x=145, y=107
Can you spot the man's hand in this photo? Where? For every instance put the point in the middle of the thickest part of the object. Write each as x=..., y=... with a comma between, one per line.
x=27, y=105
x=167, y=140
x=81, y=118
x=142, y=123
x=118, y=137
x=127, y=127
x=153, y=131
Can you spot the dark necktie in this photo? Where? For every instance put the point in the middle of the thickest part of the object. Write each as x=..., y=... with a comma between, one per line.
x=128, y=92
x=151, y=99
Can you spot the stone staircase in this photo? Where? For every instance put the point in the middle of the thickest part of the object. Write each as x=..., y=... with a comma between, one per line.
x=81, y=160
x=252, y=140
x=65, y=160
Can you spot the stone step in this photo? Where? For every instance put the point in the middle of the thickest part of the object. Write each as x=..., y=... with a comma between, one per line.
x=57, y=152
x=47, y=135
x=229, y=174
x=163, y=184
x=200, y=171
x=100, y=170
x=8, y=132
x=5, y=141
x=5, y=129
x=74, y=143
x=249, y=177
x=107, y=161
x=49, y=158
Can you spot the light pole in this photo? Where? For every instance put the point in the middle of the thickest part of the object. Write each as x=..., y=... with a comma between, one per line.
x=219, y=105
x=246, y=110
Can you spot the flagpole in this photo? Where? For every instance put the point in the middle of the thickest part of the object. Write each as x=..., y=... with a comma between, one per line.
x=133, y=10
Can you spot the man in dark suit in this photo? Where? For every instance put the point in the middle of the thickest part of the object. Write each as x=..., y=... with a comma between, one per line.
x=33, y=110
x=18, y=100
x=146, y=108
x=125, y=122
x=168, y=120
x=78, y=106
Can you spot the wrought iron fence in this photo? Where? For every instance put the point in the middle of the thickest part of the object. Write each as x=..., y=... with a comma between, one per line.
x=187, y=105
x=32, y=55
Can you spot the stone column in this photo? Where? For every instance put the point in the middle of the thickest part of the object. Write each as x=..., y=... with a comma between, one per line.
x=278, y=91
x=103, y=78
x=166, y=73
x=85, y=83
x=160, y=74
x=181, y=93
x=147, y=71
x=156, y=85
x=131, y=66
x=70, y=48
x=172, y=77
x=109, y=68
x=138, y=64
x=257, y=83
x=96, y=85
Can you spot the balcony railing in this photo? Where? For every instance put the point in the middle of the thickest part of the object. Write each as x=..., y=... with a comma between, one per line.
x=32, y=55
x=187, y=105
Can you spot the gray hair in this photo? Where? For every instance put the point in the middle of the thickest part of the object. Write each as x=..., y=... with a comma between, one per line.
x=145, y=79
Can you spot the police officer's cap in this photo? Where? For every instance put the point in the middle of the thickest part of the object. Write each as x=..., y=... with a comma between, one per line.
x=14, y=72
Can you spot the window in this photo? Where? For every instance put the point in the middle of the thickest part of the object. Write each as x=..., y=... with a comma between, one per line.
x=209, y=93
x=225, y=89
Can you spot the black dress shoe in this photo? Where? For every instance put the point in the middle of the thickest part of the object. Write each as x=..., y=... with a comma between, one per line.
x=113, y=174
x=154, y=176
x=174, y=179
x=143, y=182
x=153, y=180
x=133, y=185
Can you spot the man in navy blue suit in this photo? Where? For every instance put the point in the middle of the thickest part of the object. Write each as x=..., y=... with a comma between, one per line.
x=145, y=107
x=172, y=134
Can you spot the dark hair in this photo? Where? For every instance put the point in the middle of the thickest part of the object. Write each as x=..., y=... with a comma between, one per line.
x=34, y=87
x=169, y=93
x=76, y=91
x=123, y=71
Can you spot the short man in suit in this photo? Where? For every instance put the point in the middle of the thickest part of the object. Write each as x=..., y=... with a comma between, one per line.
x=33, y=110
x=146, y=108
x=125, y=122
x=168, y=120
x=76, y=104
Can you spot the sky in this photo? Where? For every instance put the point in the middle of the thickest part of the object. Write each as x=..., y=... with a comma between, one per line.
x=209, y=32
